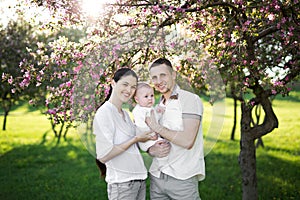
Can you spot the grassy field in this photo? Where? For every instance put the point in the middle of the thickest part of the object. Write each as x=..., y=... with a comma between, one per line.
x=34, y=167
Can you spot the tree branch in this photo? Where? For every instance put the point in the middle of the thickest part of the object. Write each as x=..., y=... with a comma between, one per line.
x=270, y=120
x=264, y=33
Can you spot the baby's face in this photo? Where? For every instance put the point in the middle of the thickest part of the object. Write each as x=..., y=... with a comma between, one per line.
x=145, y=97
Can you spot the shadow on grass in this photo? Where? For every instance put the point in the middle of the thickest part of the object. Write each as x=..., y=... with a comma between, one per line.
x=68, y=171
x=277, y=178
x=42, y=172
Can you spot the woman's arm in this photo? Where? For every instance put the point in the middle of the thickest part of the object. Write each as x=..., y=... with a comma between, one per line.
x=120, y=148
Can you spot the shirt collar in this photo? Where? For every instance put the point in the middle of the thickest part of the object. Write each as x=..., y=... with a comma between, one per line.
x=174, y=94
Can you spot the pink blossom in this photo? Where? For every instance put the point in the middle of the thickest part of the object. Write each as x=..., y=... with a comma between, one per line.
x=27, y=75
x=68, y=84
x=117, y=47
x=10, y=80
x=247, y=23
x=172, y=45
x=64, y=73
x=51, y=111
x=274, y=92
x=278, y=83
x=24, y=83
x=38, y=78
x=77, y=69
x=13, y=90
x=286, y=78
x=278, y=25
x=271, y=17
x=156, y=9
x=290, y=34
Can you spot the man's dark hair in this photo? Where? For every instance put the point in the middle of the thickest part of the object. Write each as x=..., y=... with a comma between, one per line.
x=161, y=61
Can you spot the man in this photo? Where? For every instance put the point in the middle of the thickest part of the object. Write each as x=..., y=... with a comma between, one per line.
x=178, y=178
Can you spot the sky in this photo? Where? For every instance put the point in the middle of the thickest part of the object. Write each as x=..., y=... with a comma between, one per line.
x=92, y=7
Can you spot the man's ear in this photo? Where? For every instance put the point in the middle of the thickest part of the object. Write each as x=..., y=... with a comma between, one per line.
x=174, y=75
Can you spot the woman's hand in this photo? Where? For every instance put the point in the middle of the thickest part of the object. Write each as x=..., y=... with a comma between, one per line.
x=144, y=137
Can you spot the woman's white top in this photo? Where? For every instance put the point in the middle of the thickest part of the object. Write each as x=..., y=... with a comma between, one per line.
x=111, y=129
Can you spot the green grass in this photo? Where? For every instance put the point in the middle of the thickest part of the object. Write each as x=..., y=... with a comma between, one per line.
x=34, y=167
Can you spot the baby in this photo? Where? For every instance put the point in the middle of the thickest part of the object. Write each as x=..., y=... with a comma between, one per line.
x=144, y=98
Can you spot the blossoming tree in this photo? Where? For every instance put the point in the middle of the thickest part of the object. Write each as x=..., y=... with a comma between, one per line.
x=255, y=45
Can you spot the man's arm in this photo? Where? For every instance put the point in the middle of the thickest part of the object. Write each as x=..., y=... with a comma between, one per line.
x=185, y=138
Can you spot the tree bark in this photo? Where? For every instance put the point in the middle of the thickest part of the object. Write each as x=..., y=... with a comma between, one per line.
x=247, y=161
x=234, y=119
x=5, y=120
x=247, y=157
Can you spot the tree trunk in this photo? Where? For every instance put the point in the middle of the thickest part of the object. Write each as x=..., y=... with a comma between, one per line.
x=247, y=161
x=259, y=142
x=5, y=120
x=247, y=157
x=234, y=119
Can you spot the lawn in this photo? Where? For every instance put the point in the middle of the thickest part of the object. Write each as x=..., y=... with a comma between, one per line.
x=34, y=167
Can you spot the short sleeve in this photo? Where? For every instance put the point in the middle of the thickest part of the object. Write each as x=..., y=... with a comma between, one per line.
x=192, y=106
x=104, y=129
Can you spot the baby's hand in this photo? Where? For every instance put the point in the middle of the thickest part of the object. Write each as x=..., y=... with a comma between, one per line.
x=160, y=109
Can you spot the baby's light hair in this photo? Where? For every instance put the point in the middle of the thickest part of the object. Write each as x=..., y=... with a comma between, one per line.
x=143, y=84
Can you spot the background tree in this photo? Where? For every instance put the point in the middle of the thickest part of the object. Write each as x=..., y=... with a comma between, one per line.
x=15, y=38
x=255, y=44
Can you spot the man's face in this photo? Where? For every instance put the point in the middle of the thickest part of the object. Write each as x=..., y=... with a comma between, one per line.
x=163, y=79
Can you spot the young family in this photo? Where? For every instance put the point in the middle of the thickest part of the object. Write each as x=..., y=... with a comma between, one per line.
x=171, y=133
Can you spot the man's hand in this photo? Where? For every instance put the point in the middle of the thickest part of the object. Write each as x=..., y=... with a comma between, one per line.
x=160, y=149
x=151, y=122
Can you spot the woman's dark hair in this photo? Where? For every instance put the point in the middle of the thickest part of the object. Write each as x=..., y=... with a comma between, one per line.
x=117, y=76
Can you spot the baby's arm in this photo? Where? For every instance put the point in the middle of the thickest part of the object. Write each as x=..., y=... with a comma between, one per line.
x=146, y=145
x=141, y=127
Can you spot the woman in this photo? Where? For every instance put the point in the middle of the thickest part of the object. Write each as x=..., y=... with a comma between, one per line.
x=116, y=141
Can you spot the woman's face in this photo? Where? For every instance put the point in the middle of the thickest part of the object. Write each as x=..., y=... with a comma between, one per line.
x=125, y=88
